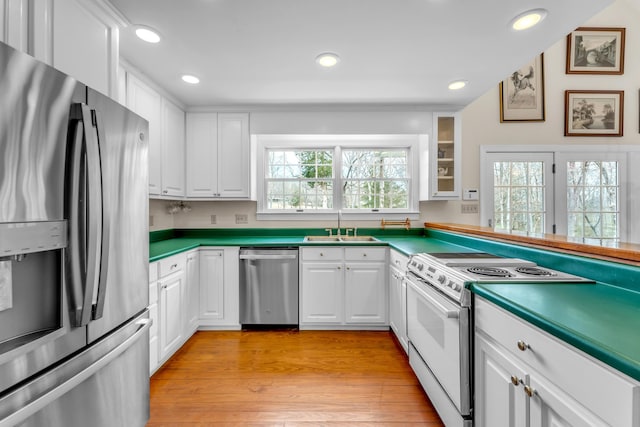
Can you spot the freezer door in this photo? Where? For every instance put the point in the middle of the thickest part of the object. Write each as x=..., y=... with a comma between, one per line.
x=123, y=285
x=106, y=385
x=34, y=111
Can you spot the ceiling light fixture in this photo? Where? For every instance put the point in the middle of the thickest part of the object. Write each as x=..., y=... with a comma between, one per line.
x=457, y=84
x=187, y=78
x=528, y=19
x=147, y=34
x=327, y=59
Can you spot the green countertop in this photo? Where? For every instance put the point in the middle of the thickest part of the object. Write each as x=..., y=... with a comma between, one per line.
x=408, y=243
x=601, y=319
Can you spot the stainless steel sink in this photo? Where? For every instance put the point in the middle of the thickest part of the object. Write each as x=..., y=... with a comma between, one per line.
x=341, y=239
x=359, y=239
x=322, y=239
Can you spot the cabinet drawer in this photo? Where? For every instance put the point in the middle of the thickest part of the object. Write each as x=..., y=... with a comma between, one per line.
x=153, y=272
x=398, y=260
x=324, y=253
x=584, y=378
x=171, y=264
x=364, y=253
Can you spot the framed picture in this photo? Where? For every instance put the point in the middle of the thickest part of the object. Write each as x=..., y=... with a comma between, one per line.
x=593, y=112
x=522, y=93
x=595, y=51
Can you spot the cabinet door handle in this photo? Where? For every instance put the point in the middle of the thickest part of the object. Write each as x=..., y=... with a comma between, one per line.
x=515, y=381
x=173, y=266
x=339, y=268
x=529, y=391
x=523, y=346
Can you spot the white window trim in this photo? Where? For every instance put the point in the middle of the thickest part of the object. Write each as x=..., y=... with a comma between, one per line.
x=627, y=178
x=290, y=141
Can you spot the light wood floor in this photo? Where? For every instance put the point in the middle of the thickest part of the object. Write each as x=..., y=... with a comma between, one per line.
x=289, y=378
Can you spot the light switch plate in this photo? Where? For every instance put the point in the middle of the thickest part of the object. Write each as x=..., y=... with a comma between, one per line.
x=242, y=219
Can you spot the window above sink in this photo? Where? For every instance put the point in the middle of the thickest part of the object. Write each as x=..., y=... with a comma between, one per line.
x=304, y=176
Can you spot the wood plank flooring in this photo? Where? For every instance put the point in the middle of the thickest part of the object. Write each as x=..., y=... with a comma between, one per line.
x=289, y=378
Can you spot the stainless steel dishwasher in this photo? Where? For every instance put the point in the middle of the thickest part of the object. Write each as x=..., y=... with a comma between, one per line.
x=269, y=286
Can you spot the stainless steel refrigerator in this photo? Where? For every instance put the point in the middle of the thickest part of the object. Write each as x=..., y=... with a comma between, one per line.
x=74, y=344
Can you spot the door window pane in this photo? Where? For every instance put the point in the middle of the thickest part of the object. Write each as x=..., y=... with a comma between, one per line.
x=592, y=200
x=519, y=196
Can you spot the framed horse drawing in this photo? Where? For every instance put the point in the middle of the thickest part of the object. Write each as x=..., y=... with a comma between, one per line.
x=522, y=93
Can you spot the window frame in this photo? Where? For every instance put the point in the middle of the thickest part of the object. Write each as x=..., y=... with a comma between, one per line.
x=337, y=142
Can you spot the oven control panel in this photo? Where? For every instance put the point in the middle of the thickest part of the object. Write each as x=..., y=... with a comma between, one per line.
x=444, y=279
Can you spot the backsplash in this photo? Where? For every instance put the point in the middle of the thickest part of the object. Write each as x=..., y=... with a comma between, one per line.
x=222, y=214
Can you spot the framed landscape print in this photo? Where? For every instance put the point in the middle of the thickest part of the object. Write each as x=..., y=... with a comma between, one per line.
x=522, y=93
x=595, y=51
x=593, y=112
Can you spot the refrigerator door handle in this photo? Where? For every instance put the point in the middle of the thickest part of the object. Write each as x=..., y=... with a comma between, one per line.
x=76, y=249
x=100, y=291
x=36, y=405
x=85, y=215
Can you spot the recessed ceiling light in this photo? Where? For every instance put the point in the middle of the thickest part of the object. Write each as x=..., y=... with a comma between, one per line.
x=327, y=59
x=147, y=34
x=190, y=79
x=528, y=19
x=458, y=84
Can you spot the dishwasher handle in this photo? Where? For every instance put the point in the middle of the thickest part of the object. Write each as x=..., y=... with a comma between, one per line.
x=266, y=256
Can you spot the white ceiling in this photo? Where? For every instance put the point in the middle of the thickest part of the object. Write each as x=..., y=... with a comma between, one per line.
x=406, y=52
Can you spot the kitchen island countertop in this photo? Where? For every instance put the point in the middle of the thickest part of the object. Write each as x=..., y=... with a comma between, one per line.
x=599, y=319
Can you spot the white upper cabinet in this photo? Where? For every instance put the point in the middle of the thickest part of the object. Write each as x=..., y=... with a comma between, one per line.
x=85, y=45
x=202, y=154
x=78, y=37
x=148, y=103
x=233, y=155
x=172, y=150
x=166, y=137
x=443, y=159
x=217, y=155
x=14, y=23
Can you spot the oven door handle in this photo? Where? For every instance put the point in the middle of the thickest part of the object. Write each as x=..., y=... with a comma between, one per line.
x=449, y=314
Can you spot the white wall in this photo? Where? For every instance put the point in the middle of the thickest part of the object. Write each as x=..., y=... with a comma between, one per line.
x=481, y=126
x=481, y=119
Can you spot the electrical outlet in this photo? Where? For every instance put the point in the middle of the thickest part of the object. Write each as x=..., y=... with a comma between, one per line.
x=469, y=208
x=242, y=219
x=214, y=219
x=150, y=220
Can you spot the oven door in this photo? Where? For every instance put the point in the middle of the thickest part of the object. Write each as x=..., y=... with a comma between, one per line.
x=439, y=331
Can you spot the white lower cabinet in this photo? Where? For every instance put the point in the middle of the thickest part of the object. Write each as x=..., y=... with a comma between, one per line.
x=322, y=293
x=343, y=288
x=219, y=288
x=171, y=312
x=188, y=291
x=192, y=293
x=154, y=342
x=526, y=377
x=398, y=297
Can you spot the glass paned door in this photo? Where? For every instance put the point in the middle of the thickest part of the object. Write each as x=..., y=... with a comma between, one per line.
x=593, y=197
x=520, y=196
